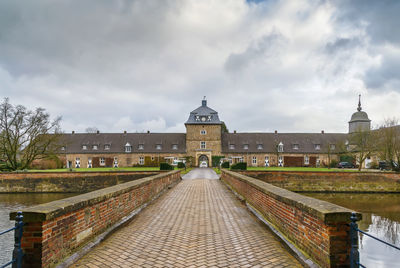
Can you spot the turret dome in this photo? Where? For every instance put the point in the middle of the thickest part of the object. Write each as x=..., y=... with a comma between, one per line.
x=359, y=120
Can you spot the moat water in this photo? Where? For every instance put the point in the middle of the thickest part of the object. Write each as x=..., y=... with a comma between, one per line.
x=381, y=218
x=15, y=202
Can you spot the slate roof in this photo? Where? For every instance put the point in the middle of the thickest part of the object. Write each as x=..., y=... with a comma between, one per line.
x=203, y=111
x=306, y=142
x=117, y=141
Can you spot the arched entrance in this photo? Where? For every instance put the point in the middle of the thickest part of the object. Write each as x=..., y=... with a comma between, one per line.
x=203, y=158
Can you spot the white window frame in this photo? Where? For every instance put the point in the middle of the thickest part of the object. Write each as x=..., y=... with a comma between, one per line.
x=245, y=146
x=102, y=161
x=141, y=160
x=115, y=164
x=260, y=146
x=84, y=147
x=174, y=146
x=231, y=146
x=77, y=162
x=62, y=148
x=332, y=146
x=266, y=161
x=128, y=148
x=203, y=132
x=317, y=147
x=280, y=161
x=254, y=160
x=158, y=146
x=306, y=160
x=296, y=146
x=280, y=147
x=107, y=146
x=203, y=145
x=95, y=147
x=241, y=160
x=140, y=146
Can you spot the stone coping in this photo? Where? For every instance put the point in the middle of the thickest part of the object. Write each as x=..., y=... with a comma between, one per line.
x=34, y=175
x=51, y=210
x=329, y=213
x=323, y=172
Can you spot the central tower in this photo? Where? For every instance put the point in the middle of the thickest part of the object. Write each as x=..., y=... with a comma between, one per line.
x=203, y=134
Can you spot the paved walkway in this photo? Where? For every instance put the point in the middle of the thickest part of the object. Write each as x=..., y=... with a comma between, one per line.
x=199, y=223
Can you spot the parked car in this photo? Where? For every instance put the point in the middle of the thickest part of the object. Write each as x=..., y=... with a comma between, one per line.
x=203, y=164
x=345, y=165
x=385, y=165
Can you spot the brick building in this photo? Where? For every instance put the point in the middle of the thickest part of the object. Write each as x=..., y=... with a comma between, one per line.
x=206, y=137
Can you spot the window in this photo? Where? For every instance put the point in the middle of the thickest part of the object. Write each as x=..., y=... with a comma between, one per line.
x=141, y=160
x=63, y=148
x=107, y=146
x=203, y=132
x=317, y=146
x=295, y=146
x=280, y=147
x=128, y=147
x=202, y=145
x=209, y=118
x=259, y=146
x=245, y=146
x=141, y=147
x=102, y=161
x=152, y=158
x=197, y=118
x=333, y=146
x=94, y=147
x=232, y=146
x=306, y=160
x=241, y=159
x=254, y=160
x=158, y=147
x=115, y=162
x=174, y=146
x=84, y=147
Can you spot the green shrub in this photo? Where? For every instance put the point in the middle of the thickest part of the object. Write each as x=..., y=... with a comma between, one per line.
x=166, y=166
x=239, y=166
x=374, y=165
x=181, y=165
x=225, y=165
x=215, y=159
x=333, y=163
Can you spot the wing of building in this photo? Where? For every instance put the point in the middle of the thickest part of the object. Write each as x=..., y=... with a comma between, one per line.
x=204, y=138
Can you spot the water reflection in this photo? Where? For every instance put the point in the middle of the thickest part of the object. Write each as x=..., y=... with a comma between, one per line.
x=381, y=218
x=13, y=202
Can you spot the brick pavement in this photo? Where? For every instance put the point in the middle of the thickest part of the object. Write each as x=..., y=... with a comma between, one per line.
x=199, y=223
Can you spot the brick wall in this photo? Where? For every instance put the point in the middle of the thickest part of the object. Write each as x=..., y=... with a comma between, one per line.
x=317, y=228
x=330, y=181
x=61, y=182
x=57, y=229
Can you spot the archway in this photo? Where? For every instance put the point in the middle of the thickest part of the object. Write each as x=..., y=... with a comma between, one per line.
x=203, y=158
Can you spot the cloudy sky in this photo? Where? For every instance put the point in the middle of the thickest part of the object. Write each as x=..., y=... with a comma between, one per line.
x=137, y=65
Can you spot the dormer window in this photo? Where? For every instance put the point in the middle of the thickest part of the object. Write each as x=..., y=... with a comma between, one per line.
x=62, y=148
x=203, y=132
x=259, y=146
x=174, y=146
x=158, y=147
x=245, y=146
x=128, y=147
x=317, y=146
x=232, y=146
x=84, y=147
x=141, y=147
x=197, y=118
x=295, y=146
x=209, y=118
x=280, y=147
x=94, y=147
x=107, y=146
x=332, y=146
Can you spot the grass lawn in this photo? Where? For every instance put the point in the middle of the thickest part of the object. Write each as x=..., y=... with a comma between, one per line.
x=311, y=169
x=104, y=169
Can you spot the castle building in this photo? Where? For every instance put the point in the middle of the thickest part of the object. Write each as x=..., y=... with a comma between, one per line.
x=206, y=137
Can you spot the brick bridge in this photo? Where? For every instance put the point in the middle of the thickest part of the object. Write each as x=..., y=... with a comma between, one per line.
x=198, y=222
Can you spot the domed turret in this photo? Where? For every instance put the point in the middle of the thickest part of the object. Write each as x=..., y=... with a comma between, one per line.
x=359, y=120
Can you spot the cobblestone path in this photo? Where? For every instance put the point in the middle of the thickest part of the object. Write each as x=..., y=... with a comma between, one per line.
x=198, y=223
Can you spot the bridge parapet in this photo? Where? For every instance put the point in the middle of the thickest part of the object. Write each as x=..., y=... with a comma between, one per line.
x=57, y=229
x=316, y=228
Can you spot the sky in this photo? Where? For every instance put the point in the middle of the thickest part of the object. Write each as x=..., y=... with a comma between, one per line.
x=138, y=65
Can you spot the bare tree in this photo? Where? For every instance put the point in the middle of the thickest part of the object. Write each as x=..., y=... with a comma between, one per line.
x=389, y=141
x=26, y=135
x=91, y=130
x=363, y=143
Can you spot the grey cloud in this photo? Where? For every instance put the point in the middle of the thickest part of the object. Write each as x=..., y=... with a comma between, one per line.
x=388, y=72
x=342, y=44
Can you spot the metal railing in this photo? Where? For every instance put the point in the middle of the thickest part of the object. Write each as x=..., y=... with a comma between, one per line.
x=354, y=254
x=17, y=252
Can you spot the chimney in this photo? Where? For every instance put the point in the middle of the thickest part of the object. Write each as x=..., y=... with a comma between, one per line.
x=124, y=131
x=73, y=131
x=322, y=132
x=148, y=131
x=276, y=131
x=98, y=131
x=234, y=131
x=204, y=102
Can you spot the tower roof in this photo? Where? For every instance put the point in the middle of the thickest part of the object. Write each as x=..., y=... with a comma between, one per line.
x=203, y=115
x=359, y=116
